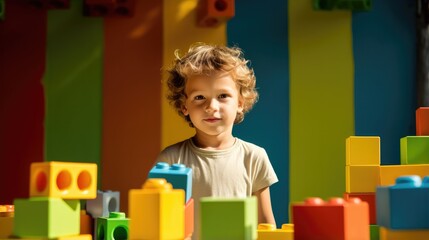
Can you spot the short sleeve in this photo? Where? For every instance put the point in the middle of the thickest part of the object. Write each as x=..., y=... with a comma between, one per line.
x=264, y=174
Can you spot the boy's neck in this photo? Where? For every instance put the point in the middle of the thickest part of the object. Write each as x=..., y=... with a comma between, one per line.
x=213, y=142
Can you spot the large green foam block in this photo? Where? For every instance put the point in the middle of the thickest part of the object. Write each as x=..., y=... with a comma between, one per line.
x=73, y=86
x=45, y=217
x=415, y=150
x=230, y=218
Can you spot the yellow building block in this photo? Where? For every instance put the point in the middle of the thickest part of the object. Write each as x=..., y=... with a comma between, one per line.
x=157, y=211
x=389, y=173
x=361, y=179
x=389, y=234
x=75, y=237
x=269, y=232
x=363, y=150
x=65, y=180
x=6, y=227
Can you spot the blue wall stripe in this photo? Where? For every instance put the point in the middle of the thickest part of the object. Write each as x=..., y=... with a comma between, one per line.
x=261, y=31
x=384, y=45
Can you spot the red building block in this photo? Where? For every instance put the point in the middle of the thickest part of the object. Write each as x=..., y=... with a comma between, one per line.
x=336, y=219
x=50, y=4
x=211, y=13
x=422, y=121
x=109, y=8
x=370, y=199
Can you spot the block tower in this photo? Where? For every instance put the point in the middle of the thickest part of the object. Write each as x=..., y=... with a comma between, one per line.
x=53, y=209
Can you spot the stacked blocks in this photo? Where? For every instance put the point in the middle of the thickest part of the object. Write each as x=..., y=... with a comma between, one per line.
x=405, y=204
x=212, y=13
x=224, y=218
x=177, y=174
x=103, y=204
x=157, y=211
x=64, y=180
x=109, y=8
x=422, y=121
x=269, y=232
x=335, y=219
x=363, y=170
x=53, y=209
x=415, y=150
x=113, y=227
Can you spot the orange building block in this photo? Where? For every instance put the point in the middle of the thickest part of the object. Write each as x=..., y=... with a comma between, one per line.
x=389, y=234
x=368, y=198
x=422, y=121
x=86, y=223
x=337, y=219
x=66, y=180
x=157, y=211
x=189, y=218
x=211, y=13
x=6, y=220
x=389, y=173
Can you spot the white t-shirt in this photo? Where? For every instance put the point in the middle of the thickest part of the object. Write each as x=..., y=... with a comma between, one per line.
x=238, y=171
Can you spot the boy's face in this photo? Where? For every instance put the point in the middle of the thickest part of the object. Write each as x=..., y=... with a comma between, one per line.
x=212, y=103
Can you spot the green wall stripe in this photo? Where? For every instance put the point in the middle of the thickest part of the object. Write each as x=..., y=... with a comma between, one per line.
x=73, y=86
x=321, y=100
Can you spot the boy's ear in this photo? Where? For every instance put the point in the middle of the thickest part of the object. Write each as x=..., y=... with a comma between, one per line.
x=185, y=110
x=240, y=105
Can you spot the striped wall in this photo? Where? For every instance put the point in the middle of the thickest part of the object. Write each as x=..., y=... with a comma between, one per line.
x=85, y=89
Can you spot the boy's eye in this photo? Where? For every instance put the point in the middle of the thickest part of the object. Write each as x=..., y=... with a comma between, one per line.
x=199, y=97
x=223, y=96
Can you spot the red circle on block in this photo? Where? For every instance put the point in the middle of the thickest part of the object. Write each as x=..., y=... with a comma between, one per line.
x=84, y=180
x=64, y=180
x=41, y=181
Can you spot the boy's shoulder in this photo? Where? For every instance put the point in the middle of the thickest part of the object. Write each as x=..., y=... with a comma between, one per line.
x=250, y=146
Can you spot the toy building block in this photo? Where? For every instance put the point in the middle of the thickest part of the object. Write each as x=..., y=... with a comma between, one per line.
x=86, y=223
x=156, y=211
x=374, y=232
x=228, y=218
x=2, y=9
x=405, y=204
x=335, y=219
x=50, y=4
x=415, y=150
x=362, y=178
x=354, y=5
x=68, y=237
x=368, y=198
x=7, y=213
x=212, y=13
x=268, y=231
x=189, y=218
x=46, y=217
x=422, y=121
x=113, y=227
x=177, y=174
x=65, y=180
x=109, y=8
x=362, y=150
x=389, y=173
x=389, y=234
x=103, y=204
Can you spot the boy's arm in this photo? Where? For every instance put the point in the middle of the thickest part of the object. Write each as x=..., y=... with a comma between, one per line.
x=265, y=212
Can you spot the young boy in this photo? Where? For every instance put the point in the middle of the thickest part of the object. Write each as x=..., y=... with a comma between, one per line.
x=212, y=88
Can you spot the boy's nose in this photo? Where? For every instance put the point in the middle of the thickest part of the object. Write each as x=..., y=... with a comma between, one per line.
x=212, y=105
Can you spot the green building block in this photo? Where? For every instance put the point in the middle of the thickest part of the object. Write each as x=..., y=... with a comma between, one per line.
x=354, y=5
x=115, y=227
x=415, y=150
x=45, y=217
x=228, y=218
x=2, y=9
x=374, y=232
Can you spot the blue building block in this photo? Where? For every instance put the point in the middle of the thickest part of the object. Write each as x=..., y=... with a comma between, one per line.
x=177, y=174
x=103, y=204
x=404, y=205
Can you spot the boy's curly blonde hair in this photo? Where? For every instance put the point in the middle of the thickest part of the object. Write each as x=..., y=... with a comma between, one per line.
x=208, y=59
